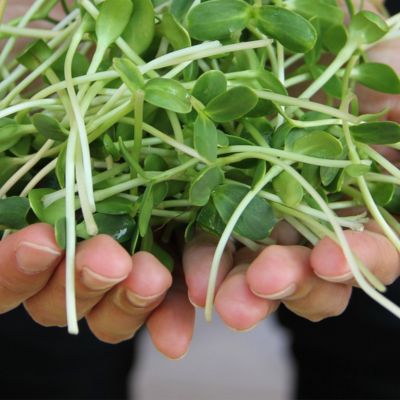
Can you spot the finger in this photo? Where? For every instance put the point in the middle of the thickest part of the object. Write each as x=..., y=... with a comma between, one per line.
x=126, y=307
x=238, y=307
x=171, y=324
x=284, y=273
x=197, y=259
x=374, y=249
x=28, y=259
x=100, y=264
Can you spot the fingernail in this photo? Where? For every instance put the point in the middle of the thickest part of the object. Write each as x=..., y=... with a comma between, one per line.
x=96, y=281
x=193, y=303
x=290, y=290
x=337, y=279
x=177, y=358
x=141, y=301
x=243, y=330
x=33, y=258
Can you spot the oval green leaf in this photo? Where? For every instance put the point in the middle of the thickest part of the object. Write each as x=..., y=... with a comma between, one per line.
x=288, y=189
x=232, y=104
x=379, y=77
x=129, y=73
x=13, y=212
x=203, y=184
x=49, y=127
x=205, y=138
x=139, y=32
x=381, y=132
x=112, y=20
x=216, y=20
x=48, y=214
x=318, y=144
x=119, y=227
x=258, y=219
x=290, y=29
x=168, y=94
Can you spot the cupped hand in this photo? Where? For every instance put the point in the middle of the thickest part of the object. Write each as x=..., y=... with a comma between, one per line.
x=115, y=292
x=313, y=283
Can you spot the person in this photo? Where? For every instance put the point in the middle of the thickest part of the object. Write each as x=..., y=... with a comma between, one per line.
x=117, y=293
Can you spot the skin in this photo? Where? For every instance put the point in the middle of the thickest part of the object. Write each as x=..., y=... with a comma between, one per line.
x=118, y=293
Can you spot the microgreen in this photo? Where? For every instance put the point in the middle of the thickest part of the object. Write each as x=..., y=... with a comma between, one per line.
x=162, y=114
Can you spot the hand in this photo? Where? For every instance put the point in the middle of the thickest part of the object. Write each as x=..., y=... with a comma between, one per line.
x=314, y=283
x=115, y=292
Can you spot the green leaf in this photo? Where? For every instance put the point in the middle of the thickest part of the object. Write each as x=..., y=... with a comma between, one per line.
x=146, y=208
x=258, y=219
x=119, y=227
x=191, y=72
x=259, y=172
x=113, y=18
x=49, y=127
x=23, y=146
x=288, y=28
x=160, y=192
x=328, y=15
x=381, y=192
x=111, y=147
x=60, y=166
x=153, y=162
x=232, y=104
x=203, y=184
x=60, y=231
x=268, y=81
x=219, y=19
x=209, y=85
x=80, y=66
x=210, y=221
x=13, y=212
x=394, y=204
x=239, y=141
x=168, y=94
x=222, y=139
x=279, y=137
x=179, y=8
x=318, y=144
x=9, y=136
x=49, y=214
x=205, y=138
x=367, y=27
x=335, y=38
x=115, y=205
x=8, y=166
x=328, y=174
x=333, y=87
x=381, y=132
x=175, y=32
x=288, y=189
x=357, y=170
x=311, y=173
x=129, y=73
x=34, y=54
x=139, y=32
x=379, y=77
x=312, y=57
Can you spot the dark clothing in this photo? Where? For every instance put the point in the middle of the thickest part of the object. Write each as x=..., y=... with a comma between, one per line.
x=393, y=6
x=353, y=356
x=48, y=363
